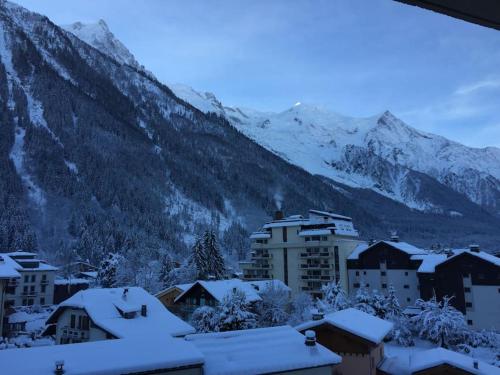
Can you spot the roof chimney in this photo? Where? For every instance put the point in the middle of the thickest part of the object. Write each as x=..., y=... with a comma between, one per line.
x=59, y=370
x=310, y=338
x=278, y=215
x=371, y=241
x=475, y=364
x=125, y=292
x=474, y=248
x=144, y=310
x=317, y=314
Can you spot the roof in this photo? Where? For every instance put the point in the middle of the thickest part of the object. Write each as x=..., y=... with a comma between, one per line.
x=429, y=262
x=42, y=266
x=329, y=214
x=434, y=357
x=102, y=307
x=258, y=351
x=354, y=321
x=315, y=232
x=220, y=288
x=8, y=267
x=89, y=274
x=72, y=281
x=103, y=357
x=182, y=287
x=481, y=254
x=21, y=253
x=402, y=246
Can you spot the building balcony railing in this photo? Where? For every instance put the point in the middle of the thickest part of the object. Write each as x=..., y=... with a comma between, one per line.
x=256, y=277
x=28, y=294
x=75, y=333
x=44, y=282
x=264, y=266
x=317, y=277
x=261, y=256
x=316, y=266
x=12, y=283
x=315, y=255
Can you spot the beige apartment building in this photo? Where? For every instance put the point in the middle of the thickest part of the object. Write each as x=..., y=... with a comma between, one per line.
x=304, y=253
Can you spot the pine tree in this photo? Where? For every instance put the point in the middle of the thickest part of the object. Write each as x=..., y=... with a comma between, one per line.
x=334, y=297
x=205, y=319
x=401, y=331
x=393, y=308
x=378, y=303
x=107, y=272
x=200, y=259
x=363, y=300
x=166, y=276
x=234, y=312
x=216, y=266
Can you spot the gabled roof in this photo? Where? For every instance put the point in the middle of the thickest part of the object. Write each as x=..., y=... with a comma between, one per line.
x=260, y=351
x=103, y=305
x=480, y=254
x=429, y=262
x=402, y=246
x=8, y=267
x=220, y=288
x=435, y=357
x=181, y=287
x=329, y=214
x=148, y=354
x=354, y=321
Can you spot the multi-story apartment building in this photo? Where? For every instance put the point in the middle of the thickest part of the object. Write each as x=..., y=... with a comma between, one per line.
x=304, y=253
x=36, y=284
x=385, y=263
x=8, y=276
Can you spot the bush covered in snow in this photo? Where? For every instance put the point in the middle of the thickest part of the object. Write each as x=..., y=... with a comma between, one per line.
x=205, y=319
x=274, y=308
x=234, y=312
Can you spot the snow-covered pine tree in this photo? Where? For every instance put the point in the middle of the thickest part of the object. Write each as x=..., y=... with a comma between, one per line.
x=378, y=303
x=363, y=300
x=334, y=297
x=401, y=332
x=106, y=273
x=200, y=259
x=205, y=319
x=215, y=261
x=274, y=307
x=166, y=276
x=301, y=309
x=234, y=312
x=392, y=306
x=440, y=322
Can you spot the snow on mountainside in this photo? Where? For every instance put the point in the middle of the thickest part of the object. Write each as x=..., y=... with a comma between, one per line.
x=99, y=36
x=336, y=146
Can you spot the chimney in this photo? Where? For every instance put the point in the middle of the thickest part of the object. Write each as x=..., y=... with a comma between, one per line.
x=144, y=310
x=278, y=215
x=59, y=368
x=125, y=292
x=317, y=314
x=475, y=364
x=371, y=241
x=310, y=338
x=394, y=238
x=474, y=248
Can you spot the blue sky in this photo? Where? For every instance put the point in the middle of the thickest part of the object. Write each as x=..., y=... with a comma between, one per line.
x=356, y=57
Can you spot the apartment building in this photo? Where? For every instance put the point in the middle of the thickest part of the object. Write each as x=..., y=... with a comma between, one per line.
x=8, y=276
x=304, y=253
x=35, y=286
x=472, y=277
x=383, y=263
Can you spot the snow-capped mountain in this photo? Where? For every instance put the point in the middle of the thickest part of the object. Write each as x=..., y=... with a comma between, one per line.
x=379, y=152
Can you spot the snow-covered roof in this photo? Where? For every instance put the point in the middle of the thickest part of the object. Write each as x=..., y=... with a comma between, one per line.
x=8, y=267
x=260, y=351
x=402, y=246
x=182, y=287
x=315, y=232
x=261, y=285
x=480, y=254
x=72, y=281
x=329, y=214
x=429, y=262
x=220, y=288
x=102, y=307
x=23, y=265
x=14, y=254
x=434, y=357
x=354, y=321
x=108, y=357
x=260, y=235
x=89, y=274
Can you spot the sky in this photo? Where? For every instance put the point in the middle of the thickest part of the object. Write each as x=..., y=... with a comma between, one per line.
x=355, y=57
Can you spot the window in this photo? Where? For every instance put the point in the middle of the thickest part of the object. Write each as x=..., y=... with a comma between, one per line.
x=30, y=301
x=356, y=285
x=324, y=238
x=32, y=289
x=33, y=278
x=308, y=239
x=467, y=290
x=383, y=273
x=406, y=273
x=25, y=289
x=72, y=321
x=337, y=258
x=367, y=285
x=44, y=277
x=406, y=286
x=469, y=322
x=468, y=304
x=384, y=286
x=44, y=287
x=364, y=272
x=498, y=290
x=25, y=302
x=357, y=274
x=315, y=238
x=26, y=278
x=408, y=299
x=42, y=301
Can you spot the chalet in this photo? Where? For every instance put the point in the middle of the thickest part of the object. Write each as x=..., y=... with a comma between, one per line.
x=100, y=314
x=9, y=276
x=211, y=293
x=433, y=362
x=356, y=336
x=131, y=356
x=274, y=350
x=472, y=277
x=386, y=262
x=65, y=288
x=168, y=296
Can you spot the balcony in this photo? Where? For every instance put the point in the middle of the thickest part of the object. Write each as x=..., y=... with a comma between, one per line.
x=28, y=294
x=317, y=277
x=12, y=283
x=316, y=266
x=263, y=266
x=75, y=333
x=44, y=282
x=315, y=255
x=261, y=256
